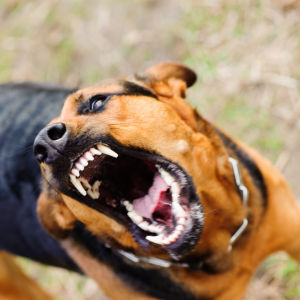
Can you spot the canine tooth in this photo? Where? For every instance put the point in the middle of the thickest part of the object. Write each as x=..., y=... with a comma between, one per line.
x=155, y=239
x=83, y=161
x=106, y=150
x=144, y=225
x=179, y=227
x=135, y=217
x=78, y=185
x=88, y=155
x=75, y=172
x=181, y=221
x=169, y=179
x=85, y=183
x=95, y=151
x=178, y=210
x=79, y=166
x=175, y=188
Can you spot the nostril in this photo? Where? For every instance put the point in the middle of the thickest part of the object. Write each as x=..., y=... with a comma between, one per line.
x=40, y=153
x=57, y=131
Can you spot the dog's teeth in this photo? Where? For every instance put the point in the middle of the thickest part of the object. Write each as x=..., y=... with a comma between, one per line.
x=178, y=210
x=96, y=186
x=168, y=178
x=85, y=183
x=78, y=185
x=75, y=172
x=88, y=155
x=83, y=161
x=91, y=194
x=129, y=207
x=180, y=228
x=166, y=241
x=106, y=150
x=175, y=198
x=155, y=239
x=181, y=221
x=95, y=151
x=135, y=217
x=125, y=203
x=152, y=228
x=144, y=225
x=79, y=166
x=175, y=188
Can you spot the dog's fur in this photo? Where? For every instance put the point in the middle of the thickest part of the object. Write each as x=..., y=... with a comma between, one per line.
x=147, y=115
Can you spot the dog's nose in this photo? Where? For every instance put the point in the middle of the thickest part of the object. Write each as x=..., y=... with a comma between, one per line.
x=50, y=143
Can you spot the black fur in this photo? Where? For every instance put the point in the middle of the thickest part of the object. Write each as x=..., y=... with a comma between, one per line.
x=24, y=110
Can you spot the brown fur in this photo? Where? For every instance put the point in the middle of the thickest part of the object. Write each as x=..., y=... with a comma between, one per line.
x=14, y=284
x=173, y=129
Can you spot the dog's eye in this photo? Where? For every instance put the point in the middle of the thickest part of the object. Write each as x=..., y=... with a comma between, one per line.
x=97, y=101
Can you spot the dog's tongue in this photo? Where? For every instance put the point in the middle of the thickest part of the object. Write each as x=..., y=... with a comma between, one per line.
x=146, y=205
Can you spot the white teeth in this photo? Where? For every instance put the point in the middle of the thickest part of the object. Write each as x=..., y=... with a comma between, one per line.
x=106, y=150
x=88, y=155
x=178, y=210
x=129, y=207
x=175, y=197
x=77, y=184
x=96, y=186
x=85, y=183
x=152, y=228
x=181, y=221
x=135, y=217
x=155, y=239
x=175, y=188
x=179, y=228
x=75, y=172
x=79, y=166
x=83, y=161
x=93, y=192
x=95, y=152
x=144, y=225
x=169, y=179
x=126, y=203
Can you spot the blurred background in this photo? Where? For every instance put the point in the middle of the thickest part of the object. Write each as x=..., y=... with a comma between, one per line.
x=246, y=54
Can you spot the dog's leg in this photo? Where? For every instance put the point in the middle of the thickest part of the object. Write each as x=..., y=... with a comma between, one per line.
x=15, y=285
x=293, y=247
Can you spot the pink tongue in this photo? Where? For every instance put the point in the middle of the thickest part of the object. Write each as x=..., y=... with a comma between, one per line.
x=146, y=205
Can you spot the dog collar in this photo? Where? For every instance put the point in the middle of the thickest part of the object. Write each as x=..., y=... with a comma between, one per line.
x=244, y=194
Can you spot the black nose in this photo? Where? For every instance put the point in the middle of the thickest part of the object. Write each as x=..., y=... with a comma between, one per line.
x=50, y=143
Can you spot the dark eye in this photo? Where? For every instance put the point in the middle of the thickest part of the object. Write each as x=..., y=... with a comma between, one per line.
x=97, y=101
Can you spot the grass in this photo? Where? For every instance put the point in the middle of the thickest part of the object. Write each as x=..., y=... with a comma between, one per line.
x=246, y=54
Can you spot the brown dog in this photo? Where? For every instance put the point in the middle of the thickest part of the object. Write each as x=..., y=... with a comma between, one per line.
x=152, y=200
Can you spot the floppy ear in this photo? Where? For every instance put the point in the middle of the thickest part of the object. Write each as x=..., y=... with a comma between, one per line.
x=54, y=215
x=168, y=79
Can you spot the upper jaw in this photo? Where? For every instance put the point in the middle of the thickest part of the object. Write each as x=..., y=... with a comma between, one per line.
x=98, y=178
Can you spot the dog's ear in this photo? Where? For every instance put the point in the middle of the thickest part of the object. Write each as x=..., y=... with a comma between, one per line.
x=54, y=215
x=168, y=79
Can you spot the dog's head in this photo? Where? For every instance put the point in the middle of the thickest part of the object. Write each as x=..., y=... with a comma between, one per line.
x=138, y=166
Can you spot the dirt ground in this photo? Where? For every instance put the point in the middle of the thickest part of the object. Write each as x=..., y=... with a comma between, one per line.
x=247, y=56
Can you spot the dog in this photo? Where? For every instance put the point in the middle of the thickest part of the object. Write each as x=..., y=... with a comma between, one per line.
x=150, y=199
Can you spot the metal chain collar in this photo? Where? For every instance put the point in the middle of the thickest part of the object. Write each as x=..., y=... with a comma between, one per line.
x=243, y=191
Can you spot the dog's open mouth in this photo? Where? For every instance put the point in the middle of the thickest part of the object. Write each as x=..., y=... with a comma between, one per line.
x=147, y=193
